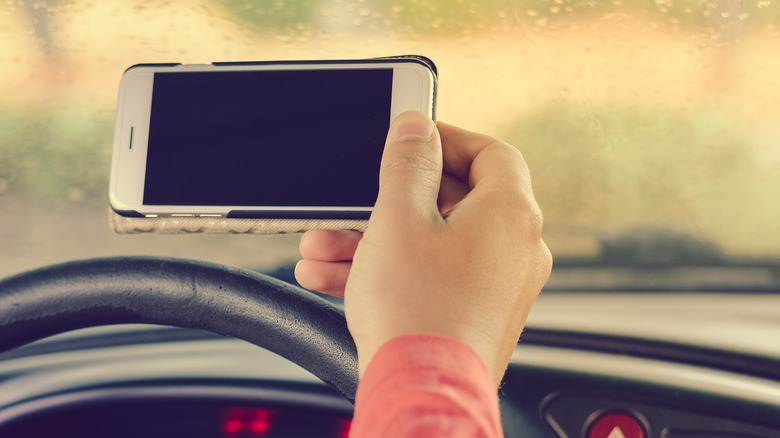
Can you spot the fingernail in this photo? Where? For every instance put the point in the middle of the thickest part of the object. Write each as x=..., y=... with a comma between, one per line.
x=412, y=125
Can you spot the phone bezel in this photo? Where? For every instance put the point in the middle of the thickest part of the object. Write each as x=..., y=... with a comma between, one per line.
x=414, y=84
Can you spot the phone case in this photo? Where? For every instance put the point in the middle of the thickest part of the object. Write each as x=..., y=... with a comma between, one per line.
x=130, y=224
x=207, y=225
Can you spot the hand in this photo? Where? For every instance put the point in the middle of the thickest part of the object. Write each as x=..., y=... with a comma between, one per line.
x=453, y=246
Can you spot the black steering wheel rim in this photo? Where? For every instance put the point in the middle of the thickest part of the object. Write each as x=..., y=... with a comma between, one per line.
x=277, y=316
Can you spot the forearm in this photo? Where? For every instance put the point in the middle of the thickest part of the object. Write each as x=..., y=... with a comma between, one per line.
x=423, y=385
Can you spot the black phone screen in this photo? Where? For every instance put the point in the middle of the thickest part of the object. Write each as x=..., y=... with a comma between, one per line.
x=267, y=138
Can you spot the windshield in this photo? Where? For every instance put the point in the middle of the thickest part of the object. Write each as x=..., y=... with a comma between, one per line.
x=650, y=127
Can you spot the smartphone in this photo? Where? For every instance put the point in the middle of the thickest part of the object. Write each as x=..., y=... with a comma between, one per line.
x=300, y=139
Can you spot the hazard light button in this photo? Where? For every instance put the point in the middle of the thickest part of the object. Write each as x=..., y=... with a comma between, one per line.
x=616, y=425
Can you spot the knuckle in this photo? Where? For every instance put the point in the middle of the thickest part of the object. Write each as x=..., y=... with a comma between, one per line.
x=535, y=219
x=411, y=161
x=512, y=153
x=518, y=211
x=414, y=167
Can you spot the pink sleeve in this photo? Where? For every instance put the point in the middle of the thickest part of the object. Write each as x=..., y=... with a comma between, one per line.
x=426, y=386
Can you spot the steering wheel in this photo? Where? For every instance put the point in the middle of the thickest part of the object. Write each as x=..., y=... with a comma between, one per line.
x=277, y=316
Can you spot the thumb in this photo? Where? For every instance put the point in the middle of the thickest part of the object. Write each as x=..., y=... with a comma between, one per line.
x=411, y=169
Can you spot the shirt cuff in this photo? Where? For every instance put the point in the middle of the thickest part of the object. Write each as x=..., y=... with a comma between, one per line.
x=426, y=385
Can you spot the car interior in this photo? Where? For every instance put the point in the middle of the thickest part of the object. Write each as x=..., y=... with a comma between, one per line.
x=650, y=128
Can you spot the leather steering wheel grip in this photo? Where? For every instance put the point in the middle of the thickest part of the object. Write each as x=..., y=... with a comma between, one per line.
x=277, y=316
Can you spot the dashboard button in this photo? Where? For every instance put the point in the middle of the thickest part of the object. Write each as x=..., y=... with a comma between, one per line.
x=616, y=425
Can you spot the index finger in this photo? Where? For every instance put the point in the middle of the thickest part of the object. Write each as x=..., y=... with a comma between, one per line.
x=474, y=158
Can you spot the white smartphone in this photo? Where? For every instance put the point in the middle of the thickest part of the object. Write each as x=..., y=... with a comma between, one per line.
x=300, y=139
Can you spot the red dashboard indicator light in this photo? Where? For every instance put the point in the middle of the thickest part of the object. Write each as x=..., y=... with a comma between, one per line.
x=260, y=422
x=232, y=426
x=247, y=422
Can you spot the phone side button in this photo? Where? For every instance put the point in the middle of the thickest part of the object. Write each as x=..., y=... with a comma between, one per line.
x=182, y=215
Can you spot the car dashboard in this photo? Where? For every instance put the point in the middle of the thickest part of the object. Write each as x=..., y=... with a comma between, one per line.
x=590, y=377
x=130, y=381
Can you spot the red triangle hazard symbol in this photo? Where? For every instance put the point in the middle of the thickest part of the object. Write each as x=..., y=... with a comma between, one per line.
x=616, y=433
